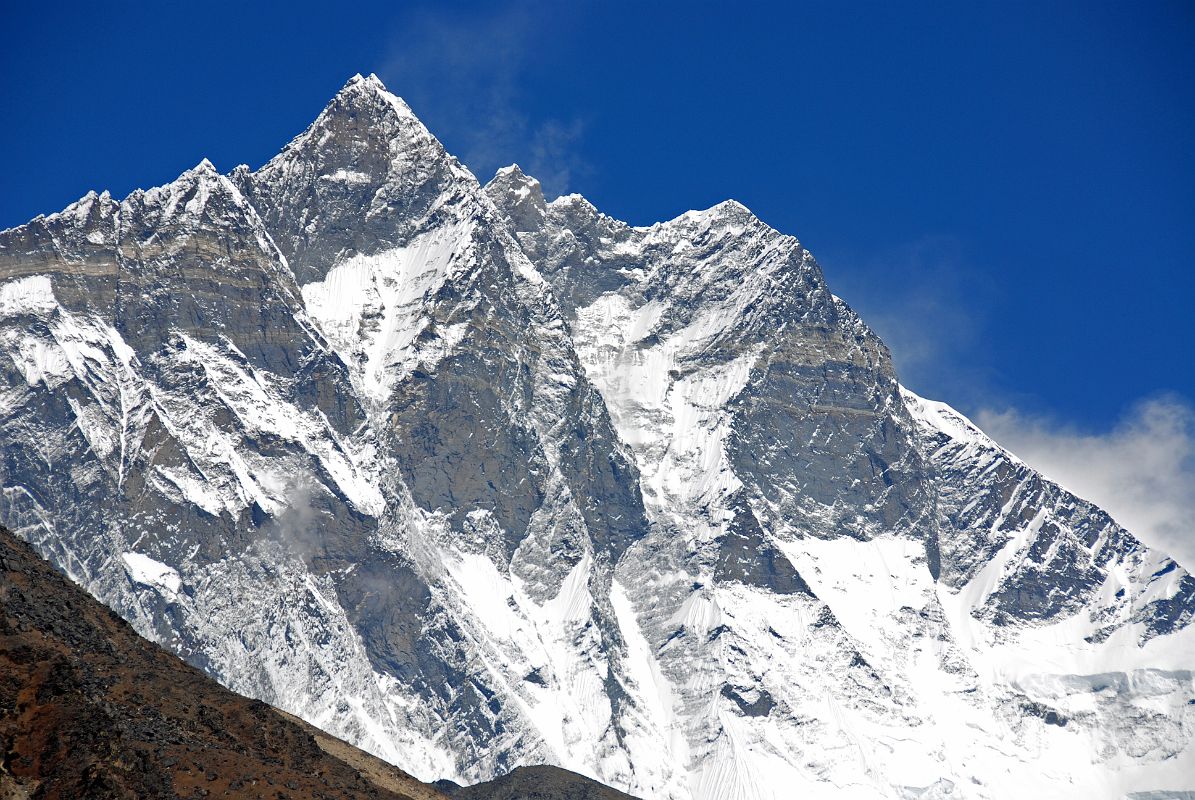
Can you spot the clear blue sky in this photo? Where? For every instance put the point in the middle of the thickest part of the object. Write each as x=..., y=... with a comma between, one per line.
x=1005, y=190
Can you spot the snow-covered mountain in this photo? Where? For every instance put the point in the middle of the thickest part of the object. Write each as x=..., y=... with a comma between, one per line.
x=476, y=480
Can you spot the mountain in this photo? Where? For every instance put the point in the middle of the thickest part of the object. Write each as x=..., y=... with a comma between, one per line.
x=94, y=710
x=474, y=480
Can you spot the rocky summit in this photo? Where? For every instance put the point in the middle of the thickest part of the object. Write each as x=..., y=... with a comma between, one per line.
x=475, y=480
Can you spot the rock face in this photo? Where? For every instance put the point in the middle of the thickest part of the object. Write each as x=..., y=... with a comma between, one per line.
x=475, y=480
x=91, y=709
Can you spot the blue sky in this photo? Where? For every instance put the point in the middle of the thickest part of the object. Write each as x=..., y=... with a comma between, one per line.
x=1004, y=190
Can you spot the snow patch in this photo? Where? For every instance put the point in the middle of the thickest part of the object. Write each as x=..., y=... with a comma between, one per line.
x=942, y=418
x=30, y=295
x=371, y=307
x=152, y=573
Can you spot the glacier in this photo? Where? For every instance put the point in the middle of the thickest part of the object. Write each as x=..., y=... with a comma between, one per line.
x=473, y=480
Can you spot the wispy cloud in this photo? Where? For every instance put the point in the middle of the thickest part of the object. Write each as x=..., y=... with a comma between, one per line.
x=463, y=74
x=553, y=154
x=927, y=304
x=1142, y=471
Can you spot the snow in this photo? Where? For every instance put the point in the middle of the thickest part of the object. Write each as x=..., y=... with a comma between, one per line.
x=350, y=176
x=681, y=450
x=154, y=574
x=866, y=583
x=261, y=410
x=29, y=295
x=371, y=307
x=657, y=736
x=945, y=420
x=523, y=191
x=520, y=635
x=185, y=488
x=39, y=360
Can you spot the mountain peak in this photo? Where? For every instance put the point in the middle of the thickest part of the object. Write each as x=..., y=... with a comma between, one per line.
x=203, y=174
x=365, y=164
x=726, y=210
x=477, y=490
x=199, y=192
x=204, y=169
x=513, y=172
x=364, y=117
x=372, y=81
x=520, y=196
x=369, y=94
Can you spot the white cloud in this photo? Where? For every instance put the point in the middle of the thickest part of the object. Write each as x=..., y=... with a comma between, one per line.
x=1142, y=471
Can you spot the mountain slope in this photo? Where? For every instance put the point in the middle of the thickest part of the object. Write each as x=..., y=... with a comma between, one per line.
x=779, y=453
x=91, y=709
x=475, y=480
